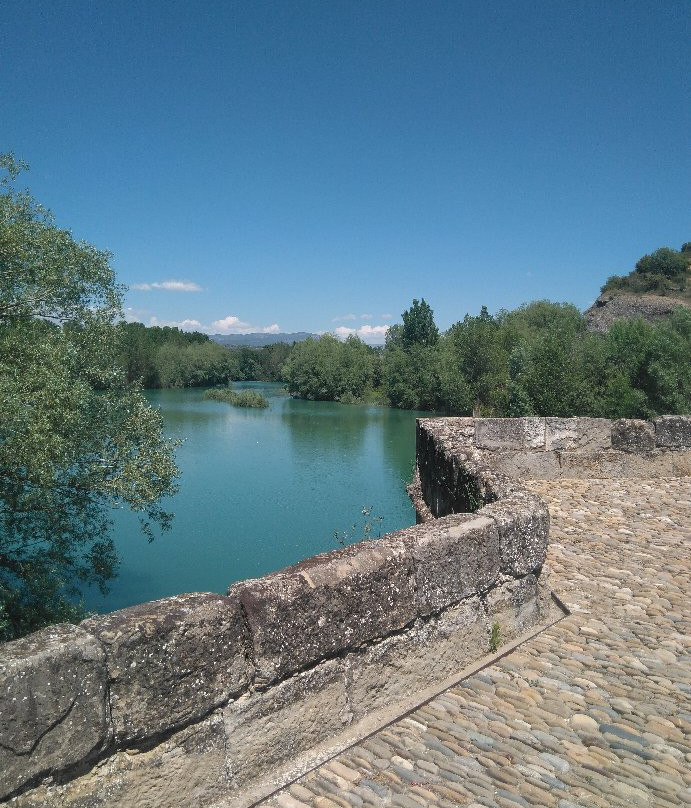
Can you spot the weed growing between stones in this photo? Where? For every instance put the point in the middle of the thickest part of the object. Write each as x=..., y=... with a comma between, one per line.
x=369, y=524
x=495, y=637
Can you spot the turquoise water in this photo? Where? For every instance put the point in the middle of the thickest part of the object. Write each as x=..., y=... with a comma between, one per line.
x=262, y=489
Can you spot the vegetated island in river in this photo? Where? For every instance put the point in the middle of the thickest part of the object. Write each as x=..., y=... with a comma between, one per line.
x=246, y=398
x=627, y=357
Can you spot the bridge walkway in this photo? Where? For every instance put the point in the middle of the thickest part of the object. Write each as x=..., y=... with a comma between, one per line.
x=593, y=712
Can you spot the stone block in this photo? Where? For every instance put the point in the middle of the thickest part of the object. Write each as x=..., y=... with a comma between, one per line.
x=586, y=434
x=510, y=433
x=616, y=464
x=454, y=557
x=326, y=604
x=53, y=710
x=172, y=661
x=514, y=606
x=522, y=522
x=267, y=729
x=629, y=435
x=673, y=431
x=389, y=671
x=186, y=769
x=526, y=464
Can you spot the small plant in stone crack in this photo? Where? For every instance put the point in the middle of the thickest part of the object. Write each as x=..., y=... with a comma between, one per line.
x=367, y=529
x=495, y=638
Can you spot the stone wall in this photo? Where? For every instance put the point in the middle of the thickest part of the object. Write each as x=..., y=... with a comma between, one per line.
x=197, y=698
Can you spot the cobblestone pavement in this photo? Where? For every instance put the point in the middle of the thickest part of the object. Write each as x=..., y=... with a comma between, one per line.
x=594, y=711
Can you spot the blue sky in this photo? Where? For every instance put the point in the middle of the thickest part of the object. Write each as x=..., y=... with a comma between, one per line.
x=317, y=165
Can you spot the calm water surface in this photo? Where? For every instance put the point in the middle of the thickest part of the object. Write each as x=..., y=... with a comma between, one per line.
x=261, y=489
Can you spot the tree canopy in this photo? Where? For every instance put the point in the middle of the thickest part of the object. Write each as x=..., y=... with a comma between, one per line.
x=76, y=439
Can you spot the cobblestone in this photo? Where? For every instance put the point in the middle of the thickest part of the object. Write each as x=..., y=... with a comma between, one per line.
x=594, y=711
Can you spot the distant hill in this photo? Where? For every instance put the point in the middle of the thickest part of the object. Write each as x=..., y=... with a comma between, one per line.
x=259, y=340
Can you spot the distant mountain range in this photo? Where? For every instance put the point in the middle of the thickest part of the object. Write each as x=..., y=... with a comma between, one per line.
x=259, y=340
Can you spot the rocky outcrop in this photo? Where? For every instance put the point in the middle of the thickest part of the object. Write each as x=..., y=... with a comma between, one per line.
x=611, y=306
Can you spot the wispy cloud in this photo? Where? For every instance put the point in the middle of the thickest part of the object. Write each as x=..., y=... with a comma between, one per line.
x=168, y=286
x=371, y=334
x=344, y=318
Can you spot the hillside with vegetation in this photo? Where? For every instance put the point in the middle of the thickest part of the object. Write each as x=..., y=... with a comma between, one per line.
x=659, y=283
x=665, y=273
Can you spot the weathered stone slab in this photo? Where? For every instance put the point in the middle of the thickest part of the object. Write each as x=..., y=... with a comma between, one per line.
x=630, y=435
x=172, y=661
x=53, y=710
x=265, y=729
x=510, y=433
x=673, y=431
x=398, y=666
x=514, y=606
x=455, y=557
x=586, y=434
x=187, y=769
x=618, y=464
x=326, y=604
x=522, y=522
x=525, y=463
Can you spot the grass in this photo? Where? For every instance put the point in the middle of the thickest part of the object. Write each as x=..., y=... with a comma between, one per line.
x=495, y=638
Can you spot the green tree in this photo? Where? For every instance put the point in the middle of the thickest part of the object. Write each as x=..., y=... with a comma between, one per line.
x=327, y=369
x=482, y=360
x=410, y=362
x=418, y=326
x=665, y=261
x=75, y=438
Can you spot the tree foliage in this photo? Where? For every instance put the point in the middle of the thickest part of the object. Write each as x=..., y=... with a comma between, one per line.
x=536, y=360
x=330, y=370
x=75, y=438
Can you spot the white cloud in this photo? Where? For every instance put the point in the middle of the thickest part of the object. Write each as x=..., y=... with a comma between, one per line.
x=227, y=325
x=168, y=286
x=188, y=324
x=371, y=334
x=191, y=325
x=231, y=325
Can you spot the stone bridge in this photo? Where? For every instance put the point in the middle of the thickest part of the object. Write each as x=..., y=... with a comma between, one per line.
x=457, y=662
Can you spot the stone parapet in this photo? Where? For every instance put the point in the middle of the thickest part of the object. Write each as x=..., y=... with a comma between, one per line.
x=546, y=449
x=216, y=692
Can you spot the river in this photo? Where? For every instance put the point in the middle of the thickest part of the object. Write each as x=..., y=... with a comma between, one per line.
x=262, y=489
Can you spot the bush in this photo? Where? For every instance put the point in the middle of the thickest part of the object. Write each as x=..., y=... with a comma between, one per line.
x=246, y=398
x=665, y=261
